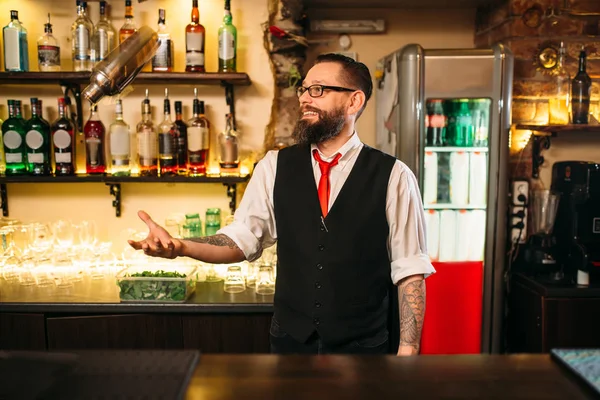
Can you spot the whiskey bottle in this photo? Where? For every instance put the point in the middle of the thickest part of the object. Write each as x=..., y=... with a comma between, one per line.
x=195, y=34
x=95, y=133
x=181, y=139
x=227, y=42
x=163, y=60
x=119, y=140
x=129, y=27
x=48, y=50
x=16, y=57
x=228, y=149
x=147, y=141
x=580, y=92
x=81, y=36
x=63, y=139
x=13, y=136
x=198, y=139
x=167, y=142
x=37, y=141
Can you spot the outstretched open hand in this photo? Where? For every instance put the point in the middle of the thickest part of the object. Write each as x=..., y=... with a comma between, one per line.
x=158, y=243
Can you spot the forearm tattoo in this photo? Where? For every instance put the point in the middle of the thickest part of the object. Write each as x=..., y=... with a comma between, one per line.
x=217, y=240
x=412, y=310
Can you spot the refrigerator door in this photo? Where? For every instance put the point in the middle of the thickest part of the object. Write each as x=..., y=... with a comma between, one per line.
x=454, y=119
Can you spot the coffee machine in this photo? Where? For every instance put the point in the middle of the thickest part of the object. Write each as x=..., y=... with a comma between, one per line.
x=577, y=225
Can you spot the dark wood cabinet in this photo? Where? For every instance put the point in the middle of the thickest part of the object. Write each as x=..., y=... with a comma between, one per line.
x=544, y=316
x=22, y=332
x=125, y=331
x=227, y=333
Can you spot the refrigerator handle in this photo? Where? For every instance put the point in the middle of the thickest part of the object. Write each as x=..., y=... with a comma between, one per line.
x=411, y=89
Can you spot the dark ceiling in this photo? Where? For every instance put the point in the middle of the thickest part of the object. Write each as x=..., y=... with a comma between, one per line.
x=406, y=4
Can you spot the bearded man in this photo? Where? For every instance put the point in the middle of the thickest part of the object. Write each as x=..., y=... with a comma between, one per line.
x=348, y=221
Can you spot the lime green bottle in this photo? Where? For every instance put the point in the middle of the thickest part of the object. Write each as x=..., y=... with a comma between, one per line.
x=227, y=42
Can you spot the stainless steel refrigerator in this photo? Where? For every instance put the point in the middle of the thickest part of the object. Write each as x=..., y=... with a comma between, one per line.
x=446, y=114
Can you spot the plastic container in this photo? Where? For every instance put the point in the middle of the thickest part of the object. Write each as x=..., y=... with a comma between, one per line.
x=156, y=289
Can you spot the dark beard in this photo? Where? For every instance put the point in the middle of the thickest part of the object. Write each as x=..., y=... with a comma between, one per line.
x=328, y=126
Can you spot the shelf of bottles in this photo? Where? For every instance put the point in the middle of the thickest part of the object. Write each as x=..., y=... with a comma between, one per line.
x=66, y=262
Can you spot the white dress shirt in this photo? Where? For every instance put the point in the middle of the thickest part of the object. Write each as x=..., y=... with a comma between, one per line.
x=254, y=229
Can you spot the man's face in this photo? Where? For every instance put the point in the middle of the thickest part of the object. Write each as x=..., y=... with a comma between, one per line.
x=321, y=118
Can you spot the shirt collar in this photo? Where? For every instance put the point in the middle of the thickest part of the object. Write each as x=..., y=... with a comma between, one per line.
x=347, y=151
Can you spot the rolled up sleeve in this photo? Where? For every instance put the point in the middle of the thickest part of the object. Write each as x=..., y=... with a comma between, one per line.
x=253, y=228
x=407, y=244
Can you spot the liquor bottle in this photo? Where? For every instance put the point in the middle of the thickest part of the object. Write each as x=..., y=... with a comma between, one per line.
x=580, y=92
x=81, y=35
x=13, y=135
x=558, y=105
x=228, y=149
x=2, y=159
x=94, y=132
x=198, y=139
x=119, y=143
x=167, y=142
x=163, y=60
x=128, y=27
x=16, y=57
x=181, y=139
x=104, y=36
x=227, y=42
x=37, y=141
x=147, y=141
x=48, y=50
x=194, y=42
x=63, y=139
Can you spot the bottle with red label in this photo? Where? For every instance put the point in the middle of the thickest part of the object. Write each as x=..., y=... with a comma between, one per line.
x=95, y=133
x=63, y=141
x=435, y=123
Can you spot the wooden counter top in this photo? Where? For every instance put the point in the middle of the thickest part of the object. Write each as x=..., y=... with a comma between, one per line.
x=238, y=377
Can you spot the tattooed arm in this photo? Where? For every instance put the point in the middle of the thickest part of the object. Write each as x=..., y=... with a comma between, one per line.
x=411, y=301
x=217, y=249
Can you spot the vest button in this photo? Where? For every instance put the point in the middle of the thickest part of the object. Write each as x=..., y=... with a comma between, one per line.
x=318, y=285
x=321, y=247
x=319, y=266
x=317, y=304
x=316, y=321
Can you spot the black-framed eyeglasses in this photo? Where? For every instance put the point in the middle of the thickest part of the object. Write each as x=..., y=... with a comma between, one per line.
x=317, y=90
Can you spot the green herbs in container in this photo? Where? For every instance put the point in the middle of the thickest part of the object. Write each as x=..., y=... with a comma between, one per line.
x=141, y=284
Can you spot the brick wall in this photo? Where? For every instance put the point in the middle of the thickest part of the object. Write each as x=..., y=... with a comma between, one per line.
x=526, y=27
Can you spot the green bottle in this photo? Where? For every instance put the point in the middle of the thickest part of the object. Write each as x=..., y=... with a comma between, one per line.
x=2, y=161
x=13, y=136
x=37, y=141
x=227, y=42
x=465, y=133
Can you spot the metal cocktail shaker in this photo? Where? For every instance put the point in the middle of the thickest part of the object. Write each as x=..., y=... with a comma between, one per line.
x=114, y=73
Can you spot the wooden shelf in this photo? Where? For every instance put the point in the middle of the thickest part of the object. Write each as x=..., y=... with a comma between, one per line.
x=199, y=78
x=123, y=179
x=114, y=182
x=554, y=129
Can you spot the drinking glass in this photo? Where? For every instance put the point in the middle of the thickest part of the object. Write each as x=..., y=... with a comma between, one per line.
x=234, y=280
x=63, y=233
x=265, y=283
x=87, y=233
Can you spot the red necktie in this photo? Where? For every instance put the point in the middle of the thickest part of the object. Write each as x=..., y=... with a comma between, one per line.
x=324, y=186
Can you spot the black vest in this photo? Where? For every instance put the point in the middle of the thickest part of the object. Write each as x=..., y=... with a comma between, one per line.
x=332, y=278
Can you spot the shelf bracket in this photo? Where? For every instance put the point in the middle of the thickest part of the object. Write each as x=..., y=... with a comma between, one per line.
x=540, y=143
x=75, y=90
x=115, y=190
x=4, y=199
x=230, y=101
x=232, y=194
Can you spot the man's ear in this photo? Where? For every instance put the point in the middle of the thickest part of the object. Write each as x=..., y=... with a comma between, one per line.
x=357, y=101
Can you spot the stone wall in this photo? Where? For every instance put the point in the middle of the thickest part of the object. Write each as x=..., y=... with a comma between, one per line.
x=533, y=30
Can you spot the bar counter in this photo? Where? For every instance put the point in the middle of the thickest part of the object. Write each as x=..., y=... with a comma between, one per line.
x=514, y=377
x=208, y=298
